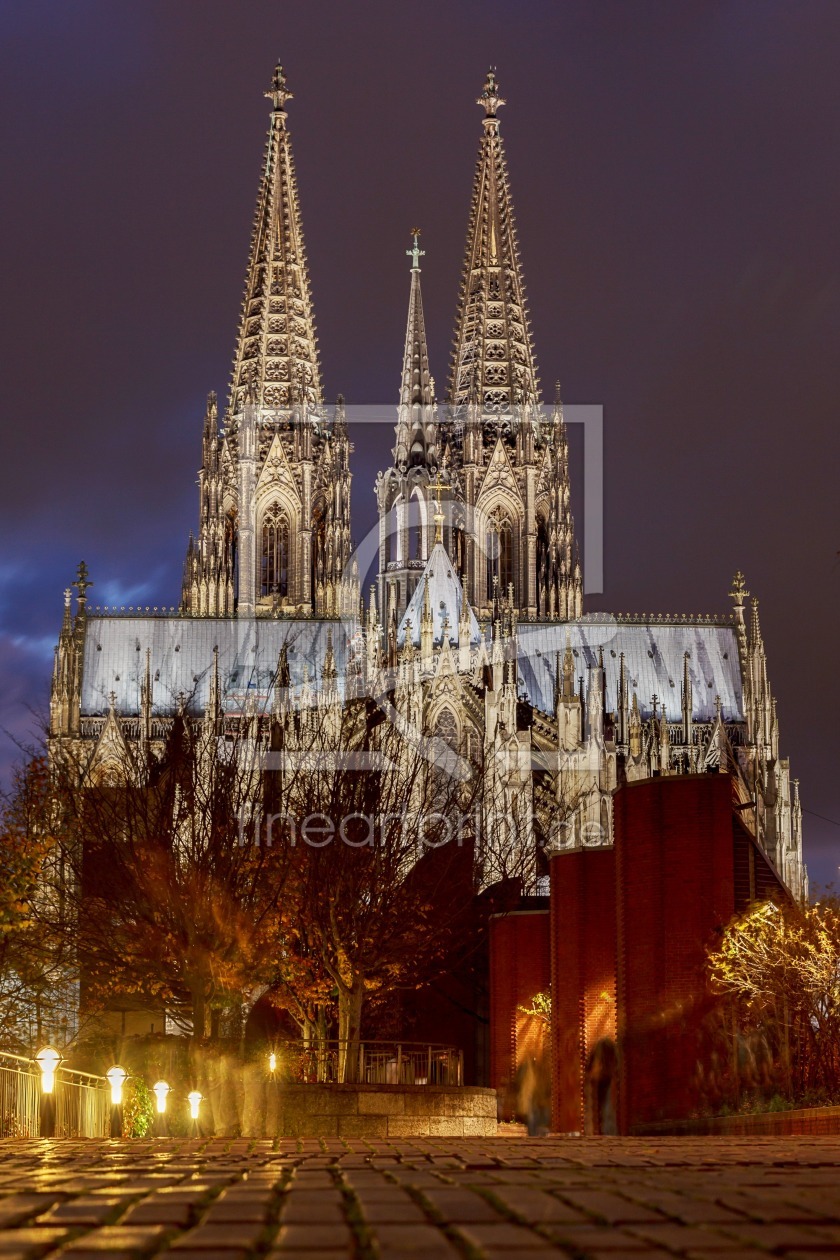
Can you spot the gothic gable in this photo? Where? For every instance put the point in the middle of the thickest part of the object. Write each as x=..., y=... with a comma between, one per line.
x=276, y=478
x=499, y=482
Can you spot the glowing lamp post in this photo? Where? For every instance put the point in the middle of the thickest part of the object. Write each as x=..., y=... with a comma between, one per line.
x=161, y=1092
x=115, y=1077
x=271, y=1095
x=195, y=1099
x=48, y=1060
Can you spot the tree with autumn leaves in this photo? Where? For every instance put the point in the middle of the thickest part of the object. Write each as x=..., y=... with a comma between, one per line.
x=309, y=856
x=36, y=968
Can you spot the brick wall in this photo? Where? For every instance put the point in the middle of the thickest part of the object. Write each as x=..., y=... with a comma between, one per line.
x=807, y=1121
x=520, y=967
x=583, y=968
x=675, y=889
x=755, y=879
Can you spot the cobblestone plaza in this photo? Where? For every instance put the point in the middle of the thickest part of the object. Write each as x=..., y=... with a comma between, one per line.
x=469, y=1198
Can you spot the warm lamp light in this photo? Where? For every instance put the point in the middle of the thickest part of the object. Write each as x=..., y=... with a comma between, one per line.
x=160, y=1091
x=48, y=1060
x=115, y=1077
x=195, y=1099
x=272, y=1062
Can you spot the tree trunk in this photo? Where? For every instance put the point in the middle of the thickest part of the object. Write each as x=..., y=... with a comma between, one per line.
x=350, y=1002
x=736, y=1066
x=199, y=1012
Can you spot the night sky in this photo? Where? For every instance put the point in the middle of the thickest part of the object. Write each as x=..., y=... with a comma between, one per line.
x=675, y=170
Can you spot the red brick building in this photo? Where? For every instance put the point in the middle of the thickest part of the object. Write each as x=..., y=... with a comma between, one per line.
x=624, y=946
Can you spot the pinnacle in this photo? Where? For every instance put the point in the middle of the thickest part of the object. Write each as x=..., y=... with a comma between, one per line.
x=279, y=92
x=490, y=98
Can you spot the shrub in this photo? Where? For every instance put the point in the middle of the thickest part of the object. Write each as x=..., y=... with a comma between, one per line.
x=138, y=1108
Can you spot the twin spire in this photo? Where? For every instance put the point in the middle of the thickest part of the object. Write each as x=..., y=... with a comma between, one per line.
x=276, y=363
x=493, y=362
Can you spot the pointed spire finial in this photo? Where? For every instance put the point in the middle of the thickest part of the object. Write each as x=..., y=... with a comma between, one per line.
x=279, y=93
x=739, y=589
x=415, y=253
x=490, y=98
x=82, y=581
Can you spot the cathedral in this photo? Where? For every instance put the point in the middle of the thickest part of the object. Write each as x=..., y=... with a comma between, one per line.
x=474, y=621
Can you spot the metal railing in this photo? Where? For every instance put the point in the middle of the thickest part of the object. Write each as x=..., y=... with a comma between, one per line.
x=20, y=1096
x=81, y=1100
x=82, y=1104
x=372, y=1063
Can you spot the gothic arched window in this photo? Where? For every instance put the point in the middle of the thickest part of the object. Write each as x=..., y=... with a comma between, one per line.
x=543, y=568
x=417, y=544
x=274, y=577
x=446, y=728
x=319, y=545
x=442, y=784
x=499, y=555
x=394, y=538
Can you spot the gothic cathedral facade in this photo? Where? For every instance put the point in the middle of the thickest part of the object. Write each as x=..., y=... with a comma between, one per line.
x=474, y=622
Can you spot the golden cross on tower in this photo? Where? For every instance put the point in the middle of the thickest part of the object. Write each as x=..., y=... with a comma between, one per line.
x=82, y=581
x=415, y=253
x=437, y=487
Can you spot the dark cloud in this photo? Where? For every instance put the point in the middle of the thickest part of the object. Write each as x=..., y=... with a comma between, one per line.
x=675, y=178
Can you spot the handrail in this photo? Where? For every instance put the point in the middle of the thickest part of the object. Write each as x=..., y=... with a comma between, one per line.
x=33, y=1063
x=391, y=1062
x=366, y=1041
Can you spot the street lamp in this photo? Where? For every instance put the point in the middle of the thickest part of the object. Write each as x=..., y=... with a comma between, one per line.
x=195, y=1099
x=48, y=1060
x=272, y=1062
x=160, y=1091
x=115, y=1077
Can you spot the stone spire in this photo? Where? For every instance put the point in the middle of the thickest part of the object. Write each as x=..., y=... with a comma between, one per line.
x=416, y=439
x=687, y=699
x=559, y=581
x=493, y=359
x=207, y=588
x=66, y=690
x=276, y=360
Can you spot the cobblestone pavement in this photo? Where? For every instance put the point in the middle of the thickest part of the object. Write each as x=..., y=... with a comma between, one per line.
x=715, y=1198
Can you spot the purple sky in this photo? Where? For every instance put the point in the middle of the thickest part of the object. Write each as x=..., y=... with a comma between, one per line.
x=676, y=180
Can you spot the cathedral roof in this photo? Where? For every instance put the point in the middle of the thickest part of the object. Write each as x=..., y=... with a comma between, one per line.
x=654, y=655
x=181, y=659
x=493, y=358
x=446, y=599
